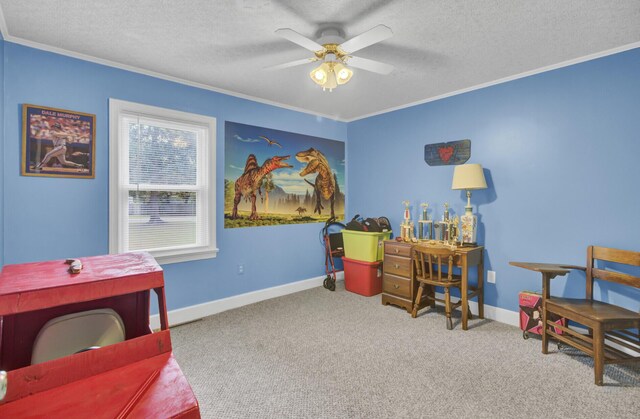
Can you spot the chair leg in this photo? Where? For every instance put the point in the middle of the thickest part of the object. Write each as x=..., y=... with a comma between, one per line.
x=469, y=315
x=447, y=308
x=432, y=294
x=416, y=303
x=598, y=354
x=545, y=336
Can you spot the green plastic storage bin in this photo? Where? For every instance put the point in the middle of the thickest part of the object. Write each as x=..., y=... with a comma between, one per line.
x=364, y=246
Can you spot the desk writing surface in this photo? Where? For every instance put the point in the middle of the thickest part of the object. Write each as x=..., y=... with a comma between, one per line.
x=547, y=267
x=473, y=254
x=26, y=277
x=32, y=286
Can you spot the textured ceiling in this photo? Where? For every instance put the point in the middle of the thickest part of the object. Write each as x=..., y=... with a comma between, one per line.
x=439, y=46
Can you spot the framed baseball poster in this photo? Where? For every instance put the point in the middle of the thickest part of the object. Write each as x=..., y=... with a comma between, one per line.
x=58, y=142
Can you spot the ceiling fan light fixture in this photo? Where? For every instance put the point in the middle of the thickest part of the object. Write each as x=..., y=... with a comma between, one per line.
x=330, y=74
x=343, y=73
x=320, y=74
x=335, y=53
x=332, y=81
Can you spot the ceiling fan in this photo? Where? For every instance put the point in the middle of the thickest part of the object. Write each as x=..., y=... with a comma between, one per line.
x=335, y=54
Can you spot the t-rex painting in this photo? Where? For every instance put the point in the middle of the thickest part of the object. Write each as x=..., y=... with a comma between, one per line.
x=251, y=180
x=291, y=187
x=324, y=185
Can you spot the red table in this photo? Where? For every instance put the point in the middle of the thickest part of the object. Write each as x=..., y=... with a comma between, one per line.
x=135, y=378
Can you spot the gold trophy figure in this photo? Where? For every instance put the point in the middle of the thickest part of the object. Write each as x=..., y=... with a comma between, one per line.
x=406, y=228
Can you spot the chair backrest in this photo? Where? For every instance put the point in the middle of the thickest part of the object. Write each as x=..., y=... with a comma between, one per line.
x=625, y=257
x=71, y=333
x=426, y=257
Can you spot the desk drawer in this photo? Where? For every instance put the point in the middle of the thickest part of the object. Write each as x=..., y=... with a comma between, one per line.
x=397, y=249
x=396, y=285
x=397, y=265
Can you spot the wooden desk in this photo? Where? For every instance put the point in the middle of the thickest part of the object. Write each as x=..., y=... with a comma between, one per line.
x=399, y=286
x=548, y=271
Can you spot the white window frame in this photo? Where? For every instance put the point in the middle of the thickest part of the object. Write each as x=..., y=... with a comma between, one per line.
x=119, y=187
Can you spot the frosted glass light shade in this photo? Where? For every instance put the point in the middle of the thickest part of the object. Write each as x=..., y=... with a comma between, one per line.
x=320, y=74
x=343, y=74
x=331, y=82
x=468, y=176
x=330, y=74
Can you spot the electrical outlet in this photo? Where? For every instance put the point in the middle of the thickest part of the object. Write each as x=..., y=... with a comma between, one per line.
x=491, y=277
x=240, y=269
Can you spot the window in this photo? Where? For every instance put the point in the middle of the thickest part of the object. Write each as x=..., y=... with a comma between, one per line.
x=162, y=182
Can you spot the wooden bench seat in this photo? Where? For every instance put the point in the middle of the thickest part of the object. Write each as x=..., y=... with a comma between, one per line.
x=595, y=310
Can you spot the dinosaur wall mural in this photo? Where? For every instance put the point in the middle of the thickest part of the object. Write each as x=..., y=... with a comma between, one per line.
x=308, y=189
x=251, y=181
x=324, y=185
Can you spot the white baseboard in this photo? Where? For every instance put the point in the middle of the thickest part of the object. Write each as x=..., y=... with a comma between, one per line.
x=494, y=313
x=498, y=314
x=198, y=311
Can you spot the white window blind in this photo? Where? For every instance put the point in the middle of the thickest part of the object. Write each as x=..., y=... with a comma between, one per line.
x=162, y=182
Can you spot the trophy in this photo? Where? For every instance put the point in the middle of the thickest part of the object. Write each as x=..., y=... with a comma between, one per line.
x=406, y=228
x=442, y=227
x=454, y=230
x=425, y=225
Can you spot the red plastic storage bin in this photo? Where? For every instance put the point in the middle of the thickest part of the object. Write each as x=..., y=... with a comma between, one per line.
x=364, y=278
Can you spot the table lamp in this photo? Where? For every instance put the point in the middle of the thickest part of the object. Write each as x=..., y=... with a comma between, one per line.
x=469, y=177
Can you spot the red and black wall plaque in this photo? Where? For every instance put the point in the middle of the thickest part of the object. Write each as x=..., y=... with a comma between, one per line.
x=451, y=153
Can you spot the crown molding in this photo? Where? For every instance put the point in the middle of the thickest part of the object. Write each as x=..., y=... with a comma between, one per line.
x=562, y=64
x=162, y=76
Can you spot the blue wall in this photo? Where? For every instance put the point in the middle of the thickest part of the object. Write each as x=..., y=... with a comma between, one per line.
x=560, y=151
x=50, y=218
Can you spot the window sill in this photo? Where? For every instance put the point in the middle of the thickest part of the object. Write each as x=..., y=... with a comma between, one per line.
x=164, y=259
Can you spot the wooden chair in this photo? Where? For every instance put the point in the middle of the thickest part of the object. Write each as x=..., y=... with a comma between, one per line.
x=430, y=264
x=604, y=321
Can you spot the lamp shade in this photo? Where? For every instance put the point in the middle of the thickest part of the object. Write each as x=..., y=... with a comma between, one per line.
x=343, y=74
x=320, y=74
x=468, y=176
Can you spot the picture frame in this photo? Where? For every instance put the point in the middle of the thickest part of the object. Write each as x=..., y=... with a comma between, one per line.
x=57, y=143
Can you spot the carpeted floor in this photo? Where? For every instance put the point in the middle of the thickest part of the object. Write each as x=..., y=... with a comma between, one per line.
x=321, y=354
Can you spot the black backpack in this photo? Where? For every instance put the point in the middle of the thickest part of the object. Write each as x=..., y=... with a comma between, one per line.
x=356, y=224
x=372, y=225
x=384, y=223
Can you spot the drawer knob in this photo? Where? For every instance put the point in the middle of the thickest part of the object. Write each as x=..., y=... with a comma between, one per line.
x=397, y=250
x=395, y=265
x=396, y=286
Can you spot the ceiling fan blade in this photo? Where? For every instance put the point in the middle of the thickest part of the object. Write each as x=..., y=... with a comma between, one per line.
x=374, y=35
x=370, y=65
x=296, y=38
x=291, y=64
